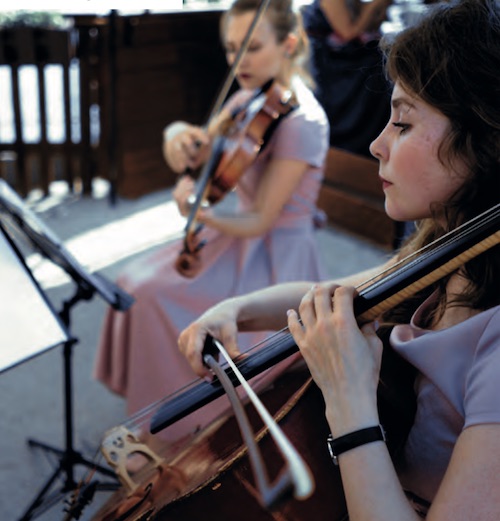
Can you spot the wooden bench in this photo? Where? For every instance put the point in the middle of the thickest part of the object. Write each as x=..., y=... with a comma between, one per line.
x=353, y=199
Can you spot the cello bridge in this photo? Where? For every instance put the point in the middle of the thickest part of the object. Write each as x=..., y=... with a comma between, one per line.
x=126, y=454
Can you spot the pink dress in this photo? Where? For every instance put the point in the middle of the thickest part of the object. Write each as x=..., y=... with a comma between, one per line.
x=138, y=355
x=457, y=386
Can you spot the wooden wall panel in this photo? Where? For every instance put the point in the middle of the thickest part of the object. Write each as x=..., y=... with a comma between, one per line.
x=168, y=67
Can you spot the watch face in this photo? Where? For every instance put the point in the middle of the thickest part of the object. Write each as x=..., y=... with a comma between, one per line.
x=329, y=444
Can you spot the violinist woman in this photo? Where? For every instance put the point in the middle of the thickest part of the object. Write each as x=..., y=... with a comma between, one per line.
x=439, y=164
x=269, y=238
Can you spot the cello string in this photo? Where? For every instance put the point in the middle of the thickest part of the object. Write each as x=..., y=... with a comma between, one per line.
x=429, y=278
x=417, y=257
x=458, y=234
x=445, y=240
x=391, y=295
x=451, y=237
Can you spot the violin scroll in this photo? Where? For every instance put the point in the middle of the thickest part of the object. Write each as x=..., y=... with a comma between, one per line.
x=188, y=262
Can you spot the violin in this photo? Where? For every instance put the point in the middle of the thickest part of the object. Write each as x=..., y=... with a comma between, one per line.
x=209, y=476
x=240, y=139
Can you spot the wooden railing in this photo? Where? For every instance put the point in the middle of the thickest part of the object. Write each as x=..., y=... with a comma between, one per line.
x=30, y=160
x=134, y=75
x=29, y=156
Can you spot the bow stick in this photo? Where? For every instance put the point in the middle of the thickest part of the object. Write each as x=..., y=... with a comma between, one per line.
x=296, y=476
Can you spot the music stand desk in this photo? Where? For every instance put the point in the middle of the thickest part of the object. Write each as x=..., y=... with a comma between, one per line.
x=21, y=228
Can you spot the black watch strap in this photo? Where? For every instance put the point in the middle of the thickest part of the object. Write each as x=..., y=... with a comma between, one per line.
x=353, y=439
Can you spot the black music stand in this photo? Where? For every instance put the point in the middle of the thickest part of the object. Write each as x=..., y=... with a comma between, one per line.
x=21, y=227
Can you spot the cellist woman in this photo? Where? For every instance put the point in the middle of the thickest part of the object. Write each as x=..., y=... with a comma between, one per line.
x=268, y=239
x=439, y=161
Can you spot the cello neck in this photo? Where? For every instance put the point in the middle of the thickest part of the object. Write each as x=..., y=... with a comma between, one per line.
x=375, y=297
x=427, y=266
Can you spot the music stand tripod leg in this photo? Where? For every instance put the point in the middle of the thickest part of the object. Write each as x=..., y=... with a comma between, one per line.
x=68, y=457
x=40, y=499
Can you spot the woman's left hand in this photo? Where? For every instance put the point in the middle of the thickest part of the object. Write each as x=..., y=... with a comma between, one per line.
x=183, y=190
x=344, y=360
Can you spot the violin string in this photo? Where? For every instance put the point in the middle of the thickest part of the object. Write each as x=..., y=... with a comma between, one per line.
x=192, y=224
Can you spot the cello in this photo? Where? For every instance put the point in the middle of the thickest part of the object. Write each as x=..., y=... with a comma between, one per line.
x=197, y=481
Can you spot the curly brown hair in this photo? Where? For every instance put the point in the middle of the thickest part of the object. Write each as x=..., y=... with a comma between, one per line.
x=451, y=60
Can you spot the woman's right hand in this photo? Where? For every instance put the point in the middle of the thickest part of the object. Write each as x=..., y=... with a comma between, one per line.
x=220, y=322
x=185, y=146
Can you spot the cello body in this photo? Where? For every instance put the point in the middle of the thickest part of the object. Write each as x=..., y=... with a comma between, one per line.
x=211, y=477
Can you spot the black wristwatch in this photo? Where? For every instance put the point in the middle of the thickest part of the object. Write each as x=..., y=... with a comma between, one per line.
x=353, y=439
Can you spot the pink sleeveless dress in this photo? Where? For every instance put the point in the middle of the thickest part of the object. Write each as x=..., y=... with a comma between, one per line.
x=137, y=355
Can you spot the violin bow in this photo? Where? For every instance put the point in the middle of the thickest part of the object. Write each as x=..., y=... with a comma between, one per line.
x=223, y=92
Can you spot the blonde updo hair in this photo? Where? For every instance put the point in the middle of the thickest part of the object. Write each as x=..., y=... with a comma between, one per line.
x=284, y=20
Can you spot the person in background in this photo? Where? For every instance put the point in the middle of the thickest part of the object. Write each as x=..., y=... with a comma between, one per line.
x=347, y=68
x=439, y=158
x=267, y=239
